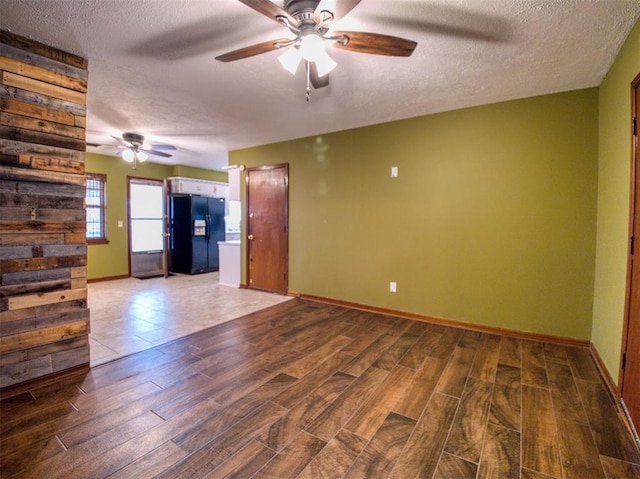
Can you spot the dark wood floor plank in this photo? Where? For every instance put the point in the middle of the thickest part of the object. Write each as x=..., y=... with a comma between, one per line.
x=293, y=459
x=285, y=429
x=564, y=393
x=380, y=454
x=454, y=377
x=368, y=356
x=556, y=353
x=372, y=412
x=582, y=364
x=58, y=466
x=133, y=449
x=245, y=463
x=334, y=417
x=485, y=363
x=261, y=395
x=577, y=446
x=207, y=457
x=295, y=393
x=28, y=456
x=534, y=371
x=308, y=363
x=415, y=397
x=501, y=454
x=399, y=348
x=336, y=458
x=152, y=463
x=529, y=474
x=617, y=469
x=452, y=467
x=424, y=447
x=506, y=404
x=510, y=352
x=449, y=340
x=467, y=431
x=611, y=436
x=421, y=349
x=539, y=434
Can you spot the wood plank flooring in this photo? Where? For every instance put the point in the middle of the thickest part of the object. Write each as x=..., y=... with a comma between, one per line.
x=308, y=390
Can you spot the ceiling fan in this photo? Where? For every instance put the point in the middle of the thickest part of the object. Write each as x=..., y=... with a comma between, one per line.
x=135, y=150
x=310, y=22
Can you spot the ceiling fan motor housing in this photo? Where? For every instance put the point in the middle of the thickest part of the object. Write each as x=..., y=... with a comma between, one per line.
x=133, y=138
x=301, y=10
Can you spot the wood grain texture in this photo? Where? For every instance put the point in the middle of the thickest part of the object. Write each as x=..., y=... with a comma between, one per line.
x=540, y=450
x=219, y=403
x=468, y=428
x=501, y=453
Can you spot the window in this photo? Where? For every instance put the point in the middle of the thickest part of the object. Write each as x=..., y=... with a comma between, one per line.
x=96, y=207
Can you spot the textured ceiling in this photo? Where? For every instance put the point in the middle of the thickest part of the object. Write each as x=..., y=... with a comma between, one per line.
x=152, y=68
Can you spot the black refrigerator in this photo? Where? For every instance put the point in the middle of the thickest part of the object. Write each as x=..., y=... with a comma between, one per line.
x=197, y=224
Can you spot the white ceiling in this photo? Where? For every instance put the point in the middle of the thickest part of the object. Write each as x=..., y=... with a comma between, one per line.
x=152, y=68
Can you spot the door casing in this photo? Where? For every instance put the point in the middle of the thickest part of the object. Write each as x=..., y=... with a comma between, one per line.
x=629, y=374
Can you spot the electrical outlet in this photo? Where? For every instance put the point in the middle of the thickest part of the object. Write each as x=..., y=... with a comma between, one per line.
x=392, y=287
x=120, y=224
x=394, y=172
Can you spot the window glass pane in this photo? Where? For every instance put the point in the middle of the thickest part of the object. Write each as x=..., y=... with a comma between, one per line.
x=146, y=201
x=146, y=235
x=95, y=200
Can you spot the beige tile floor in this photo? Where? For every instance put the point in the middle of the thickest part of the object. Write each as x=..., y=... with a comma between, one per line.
x=131, y=315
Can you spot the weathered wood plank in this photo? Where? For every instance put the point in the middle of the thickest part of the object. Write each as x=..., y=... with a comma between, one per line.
x=38, y=48
x=32, y=300
x=31, y=239
x=42, y=87
x=30, y=264
x=44, y=74
x=40, y=337
x=41, y=126
x=38, y=189
x=24, y=174
x=18, y=147
x=43, y=163
x=18, y=94
x=36, y=111
x=32, y=58
x=39, y=138
x=33, y=287
x=41, y=214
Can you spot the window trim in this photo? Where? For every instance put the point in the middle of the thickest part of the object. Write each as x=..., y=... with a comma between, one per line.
x=102, y=178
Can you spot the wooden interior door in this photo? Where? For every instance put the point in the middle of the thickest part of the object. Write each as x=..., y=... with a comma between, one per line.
x=630, y=371
x=267, y=228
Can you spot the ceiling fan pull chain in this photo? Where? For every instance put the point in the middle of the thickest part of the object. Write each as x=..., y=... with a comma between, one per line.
x=308, y=80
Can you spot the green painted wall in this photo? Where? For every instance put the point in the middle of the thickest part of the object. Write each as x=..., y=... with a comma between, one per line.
x=110, y=260
x=491, y=220
x=613, y=202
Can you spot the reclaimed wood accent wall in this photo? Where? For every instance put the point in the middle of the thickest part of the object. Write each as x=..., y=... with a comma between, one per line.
x=44, y=317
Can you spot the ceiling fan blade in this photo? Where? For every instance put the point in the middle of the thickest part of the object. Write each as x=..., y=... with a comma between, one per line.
x=269, y=9
x=316, y=80
x=120, y=140
x=158, y=153
x=339, y=8
x=375, y=43
x=252, y=50
x=162, y=146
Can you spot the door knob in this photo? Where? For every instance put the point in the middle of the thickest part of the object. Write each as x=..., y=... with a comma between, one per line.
x=250, y=237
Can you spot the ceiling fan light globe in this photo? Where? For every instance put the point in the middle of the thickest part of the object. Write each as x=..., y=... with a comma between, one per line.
x=290, y=60
x=128, y=155
x=142, y=156
x=324, y=64
x=312, y=46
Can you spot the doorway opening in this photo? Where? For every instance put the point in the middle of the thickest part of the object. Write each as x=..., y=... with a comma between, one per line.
x=147, y=251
